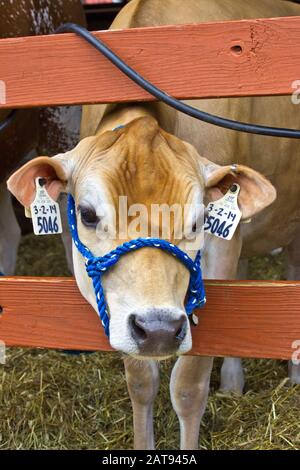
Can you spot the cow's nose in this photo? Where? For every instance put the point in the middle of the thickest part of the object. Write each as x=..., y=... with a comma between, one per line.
x=158, y=334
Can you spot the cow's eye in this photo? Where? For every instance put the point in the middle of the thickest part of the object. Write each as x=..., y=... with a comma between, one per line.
x=88, y=216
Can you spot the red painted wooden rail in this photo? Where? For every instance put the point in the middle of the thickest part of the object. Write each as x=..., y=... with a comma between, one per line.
x=251, y=319
x=247, y=319
x=186, y=61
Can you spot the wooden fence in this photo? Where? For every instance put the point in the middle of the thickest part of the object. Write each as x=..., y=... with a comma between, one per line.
x=236, y=58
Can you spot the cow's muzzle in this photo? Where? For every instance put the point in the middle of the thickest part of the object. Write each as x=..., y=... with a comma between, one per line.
x=158, y=332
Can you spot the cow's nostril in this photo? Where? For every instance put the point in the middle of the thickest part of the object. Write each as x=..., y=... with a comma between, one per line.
x=181, y=332
x=137, y=328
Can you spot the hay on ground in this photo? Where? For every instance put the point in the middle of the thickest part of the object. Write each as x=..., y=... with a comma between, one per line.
x=50, y=400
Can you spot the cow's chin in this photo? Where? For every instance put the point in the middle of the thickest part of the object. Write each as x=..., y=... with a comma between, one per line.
x=154, y=357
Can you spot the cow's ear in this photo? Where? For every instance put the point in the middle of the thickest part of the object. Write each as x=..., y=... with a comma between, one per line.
x=54, y=170
x=256, y=191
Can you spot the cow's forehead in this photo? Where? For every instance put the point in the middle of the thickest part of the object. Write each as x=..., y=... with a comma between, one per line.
x=140, y=164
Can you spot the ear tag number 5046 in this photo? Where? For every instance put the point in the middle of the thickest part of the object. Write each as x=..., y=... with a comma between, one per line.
x=45, y=211
x=224, y=215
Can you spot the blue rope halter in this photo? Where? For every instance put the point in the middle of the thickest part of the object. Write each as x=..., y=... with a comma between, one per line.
x=97, y=266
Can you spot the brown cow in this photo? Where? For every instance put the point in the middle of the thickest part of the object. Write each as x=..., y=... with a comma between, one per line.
x=163, y=156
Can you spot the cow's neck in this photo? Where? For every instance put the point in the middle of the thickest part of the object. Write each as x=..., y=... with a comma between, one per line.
x=220, y=257
x=122, y=115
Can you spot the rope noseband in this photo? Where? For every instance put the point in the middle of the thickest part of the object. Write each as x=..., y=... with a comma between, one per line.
x=97, y=266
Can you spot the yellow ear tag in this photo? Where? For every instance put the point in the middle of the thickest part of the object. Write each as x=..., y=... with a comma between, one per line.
x=45, y=211
x=223, y=216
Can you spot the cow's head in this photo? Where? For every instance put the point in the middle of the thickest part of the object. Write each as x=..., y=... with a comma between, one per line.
x=145, y=290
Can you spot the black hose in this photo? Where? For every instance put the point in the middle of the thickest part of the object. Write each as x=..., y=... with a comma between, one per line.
x=8, y=120
x=169, y=100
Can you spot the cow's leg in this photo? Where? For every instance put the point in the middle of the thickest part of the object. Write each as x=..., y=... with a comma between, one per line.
x=232, y=374
x=143, y=383
x=189, y=388
x=292, y=273
x=10, y=233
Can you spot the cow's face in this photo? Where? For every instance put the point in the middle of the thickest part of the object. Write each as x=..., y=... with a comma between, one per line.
x=117, y=178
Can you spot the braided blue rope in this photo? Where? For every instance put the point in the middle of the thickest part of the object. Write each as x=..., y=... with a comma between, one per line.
x=118, y=127
x=97, y=266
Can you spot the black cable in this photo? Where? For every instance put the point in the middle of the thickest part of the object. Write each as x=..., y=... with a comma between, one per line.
x=169, y=100
x=8, y=120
